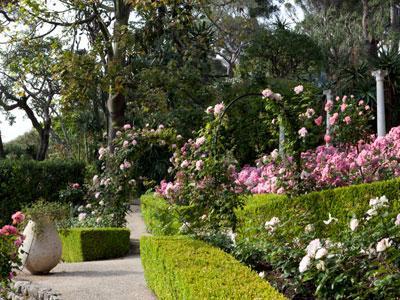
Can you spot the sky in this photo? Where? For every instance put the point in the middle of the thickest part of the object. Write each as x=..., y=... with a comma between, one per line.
x=22, y=124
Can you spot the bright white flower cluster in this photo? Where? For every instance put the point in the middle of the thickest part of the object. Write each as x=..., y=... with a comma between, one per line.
x=271, y=225
x=375, y=204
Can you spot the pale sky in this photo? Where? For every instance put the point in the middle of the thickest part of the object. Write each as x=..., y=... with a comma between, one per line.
x=22, y=123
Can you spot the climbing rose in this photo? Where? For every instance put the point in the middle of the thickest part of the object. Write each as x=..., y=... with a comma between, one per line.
x=219, y=108
x=327, y=138
x=303, y=132
x=318, y=121
x=298, y=89
x=127, y=126
x=277, y=97
x=267, y=93
x=199, y=165
x=343, y=107
x=347, y=120
x=328, y=105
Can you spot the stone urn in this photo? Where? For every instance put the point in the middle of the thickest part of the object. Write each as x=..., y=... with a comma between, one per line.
x=42, y=248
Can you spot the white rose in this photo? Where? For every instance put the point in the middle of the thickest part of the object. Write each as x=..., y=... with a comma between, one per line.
x=353, y=224
x=322, y=252
x=383, y=244
x=304, y=264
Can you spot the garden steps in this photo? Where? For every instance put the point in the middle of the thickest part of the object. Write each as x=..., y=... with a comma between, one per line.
x=115, y=279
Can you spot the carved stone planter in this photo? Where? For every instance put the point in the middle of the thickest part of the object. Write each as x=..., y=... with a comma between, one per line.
x=42, y=249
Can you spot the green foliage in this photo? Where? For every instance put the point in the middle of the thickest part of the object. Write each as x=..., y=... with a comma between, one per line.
x=181, y=268
x=341, y=203
x=158, y=215
x=41, y=210
x=86, y=244
x=280, y=53
x=23, y=182
x=130, y=169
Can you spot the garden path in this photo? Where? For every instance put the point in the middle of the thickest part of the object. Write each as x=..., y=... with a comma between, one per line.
x=115, y=279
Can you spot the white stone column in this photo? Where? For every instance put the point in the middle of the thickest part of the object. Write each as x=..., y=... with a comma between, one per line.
x=328, y=94
x=281, y=137
x=380, y=101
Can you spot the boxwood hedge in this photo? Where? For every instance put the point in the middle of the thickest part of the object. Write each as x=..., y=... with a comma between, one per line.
x=159, y=219
x=25, y=181
x=342, y=203
x=85, y=244
x=182, y=268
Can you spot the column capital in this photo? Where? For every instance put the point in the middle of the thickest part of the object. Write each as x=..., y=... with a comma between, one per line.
x=379, y=74
x=327, y=92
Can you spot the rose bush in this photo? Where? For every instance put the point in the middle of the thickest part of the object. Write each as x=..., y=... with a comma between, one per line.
x=10, y=241
x=111, y=192
x=327, y=166
x=204, y=185
x=362, y=262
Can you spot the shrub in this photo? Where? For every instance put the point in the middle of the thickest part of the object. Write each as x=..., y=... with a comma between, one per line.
x=10, y=240
x=23, y=182
x=341, y=203
x=159, y=219
x=85, y=244
x=124, y=169
x=360, y=261
x=182, y=268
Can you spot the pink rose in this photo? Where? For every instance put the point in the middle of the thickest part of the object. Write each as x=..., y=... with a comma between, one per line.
x=8, y=230
x=199, y=165
x=267, y=93
x=328, y=105
x=318, y=121
x=343, y=107
x=303, y=132
x=327, y=138
x=219, y=108
x=347, y=120
x=298, y=89
x=333, y=119
x=127, y=126
x=18, y=217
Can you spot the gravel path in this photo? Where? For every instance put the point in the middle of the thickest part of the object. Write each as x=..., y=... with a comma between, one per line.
x=116, y=279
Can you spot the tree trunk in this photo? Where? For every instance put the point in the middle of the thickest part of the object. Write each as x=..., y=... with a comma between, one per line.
x=116, y=63
x=371, y=44
x=44, y=136
x=2, y=153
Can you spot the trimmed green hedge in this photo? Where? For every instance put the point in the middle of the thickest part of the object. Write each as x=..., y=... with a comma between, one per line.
x=182, y=268
x=159, y=219
x=342, y=203
x=25, y=181
x=85, y=244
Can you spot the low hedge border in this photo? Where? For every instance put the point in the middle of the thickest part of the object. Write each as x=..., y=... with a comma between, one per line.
x=159, y=219
x=183, y=268
x=342, y=203
x=85, y=244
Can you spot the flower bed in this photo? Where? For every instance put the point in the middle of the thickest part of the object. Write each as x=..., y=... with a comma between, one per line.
x=182, y=268
x=85, y=244
x=327, y=167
